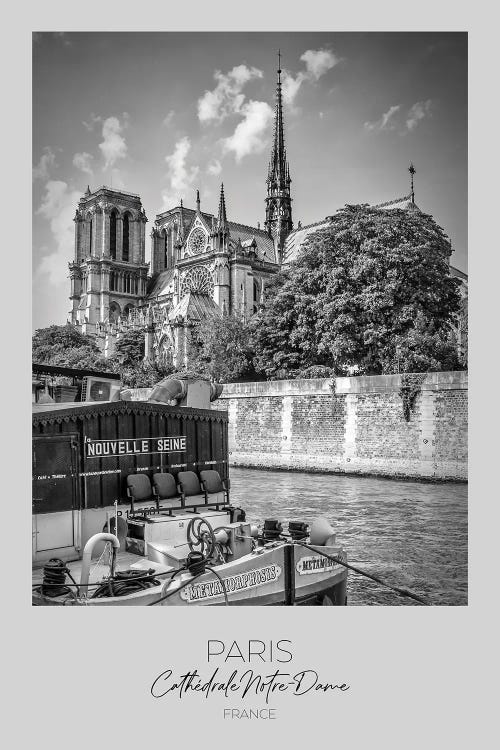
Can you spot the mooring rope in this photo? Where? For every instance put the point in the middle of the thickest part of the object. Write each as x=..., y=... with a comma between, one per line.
x=397, y=589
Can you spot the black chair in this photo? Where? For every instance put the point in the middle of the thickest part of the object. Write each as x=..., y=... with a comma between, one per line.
x=138, y=489
x=166, y=493
x=192, y=494
x=216, y=491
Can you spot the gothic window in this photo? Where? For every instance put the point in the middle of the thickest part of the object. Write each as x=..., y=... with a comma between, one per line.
x=126, y=236
x=112, y=234
x=255, y=291
x=112, y=281
x=171, y=246
x=165, y=247
x=114, y=312
x=90, y=236
x=198, y=280
x=197, y=241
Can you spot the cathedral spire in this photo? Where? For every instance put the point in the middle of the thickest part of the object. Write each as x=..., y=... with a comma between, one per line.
x=278, y=221
x=222, y=226
x=412, y=170
x=180, y=231
x=222, y=217
x=279, y=165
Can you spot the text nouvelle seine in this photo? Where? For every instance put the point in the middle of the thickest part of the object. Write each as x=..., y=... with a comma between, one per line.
x=245, y=683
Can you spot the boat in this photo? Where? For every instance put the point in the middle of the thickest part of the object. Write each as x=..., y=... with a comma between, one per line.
x=132, y=507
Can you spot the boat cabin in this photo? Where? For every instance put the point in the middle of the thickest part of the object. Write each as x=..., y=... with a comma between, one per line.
x=84, y=454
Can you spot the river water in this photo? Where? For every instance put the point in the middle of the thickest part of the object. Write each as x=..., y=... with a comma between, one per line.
x=411, y=534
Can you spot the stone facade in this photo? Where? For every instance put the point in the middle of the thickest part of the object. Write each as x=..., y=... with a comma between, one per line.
x=203, y=265
x=350, y=425
x=109, y=272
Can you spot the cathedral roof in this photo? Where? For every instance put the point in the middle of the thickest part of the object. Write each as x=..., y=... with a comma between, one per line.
x=405, y=202
x=246, y=234
x=458, y=274
x=157, y=285
x=296, y=239
x=195, y=307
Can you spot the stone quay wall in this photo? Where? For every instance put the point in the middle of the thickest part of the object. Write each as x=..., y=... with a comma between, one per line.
x=350, y=425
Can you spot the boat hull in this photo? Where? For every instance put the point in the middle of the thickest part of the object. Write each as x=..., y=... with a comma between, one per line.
x=275, y=575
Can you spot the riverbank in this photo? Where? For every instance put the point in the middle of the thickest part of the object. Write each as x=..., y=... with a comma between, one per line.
x=353, y=426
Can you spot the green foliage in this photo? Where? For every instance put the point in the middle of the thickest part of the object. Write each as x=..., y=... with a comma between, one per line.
x=65, y=346
x=315, y=371
x=143, y=374
x=188, y=373
x=411, y=385
x=221, y=349
x=129, y=348
x=371, y=291
x=128, y=360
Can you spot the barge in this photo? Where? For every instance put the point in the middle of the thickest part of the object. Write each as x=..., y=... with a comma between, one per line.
x=132, y=506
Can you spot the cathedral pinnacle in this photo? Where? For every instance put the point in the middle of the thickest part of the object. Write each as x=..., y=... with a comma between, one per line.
x=198, y=201
x=278, y=221
x=412, y=170
x=222, y=217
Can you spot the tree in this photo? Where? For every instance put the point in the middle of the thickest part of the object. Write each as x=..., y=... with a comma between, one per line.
x=221, y=348
x=129, y=348
x=143, y=374
x=65, y=346
x=128, y=360
x=370, y=291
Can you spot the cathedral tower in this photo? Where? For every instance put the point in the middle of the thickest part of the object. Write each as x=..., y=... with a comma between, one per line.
x=109, y=272
x=278, y=221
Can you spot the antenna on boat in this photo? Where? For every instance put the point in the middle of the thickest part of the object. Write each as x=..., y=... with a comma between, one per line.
x=116, y=516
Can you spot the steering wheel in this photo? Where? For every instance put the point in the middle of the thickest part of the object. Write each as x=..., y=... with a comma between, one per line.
x=201, y=537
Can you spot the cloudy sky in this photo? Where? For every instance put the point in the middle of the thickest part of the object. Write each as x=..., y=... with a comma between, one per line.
x=164, y=114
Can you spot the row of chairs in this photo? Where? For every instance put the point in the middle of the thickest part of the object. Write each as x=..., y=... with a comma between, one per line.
x=186, y=490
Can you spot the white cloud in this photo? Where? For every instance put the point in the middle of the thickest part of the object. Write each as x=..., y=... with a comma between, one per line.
x=93, y=120
x=386, y=122
x=181, y=177
x=113, y=146
x=418, y=112
x=116, y=179
x=227, y=97
x=290, y=86
x=82, y=161
x=58, y=208
x=168, y=119
x=45, y=165
x=389, y=120
x=249, y=136
x=214, y=168
x=319, y=61
x=63, y=36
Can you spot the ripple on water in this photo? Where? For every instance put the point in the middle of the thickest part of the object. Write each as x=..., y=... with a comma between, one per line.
x=412, y=534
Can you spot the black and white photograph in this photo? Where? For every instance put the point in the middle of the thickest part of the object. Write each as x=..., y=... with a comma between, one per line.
x=247, y=229
x=249, y=376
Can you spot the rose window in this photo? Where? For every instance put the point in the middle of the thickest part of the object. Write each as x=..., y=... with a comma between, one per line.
x=198, y=280
x=197, y=241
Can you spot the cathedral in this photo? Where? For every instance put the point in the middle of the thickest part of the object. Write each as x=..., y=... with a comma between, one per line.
x=202, y=265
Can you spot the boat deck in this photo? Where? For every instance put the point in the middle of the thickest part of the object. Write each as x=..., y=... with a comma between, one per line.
x=99, y=571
